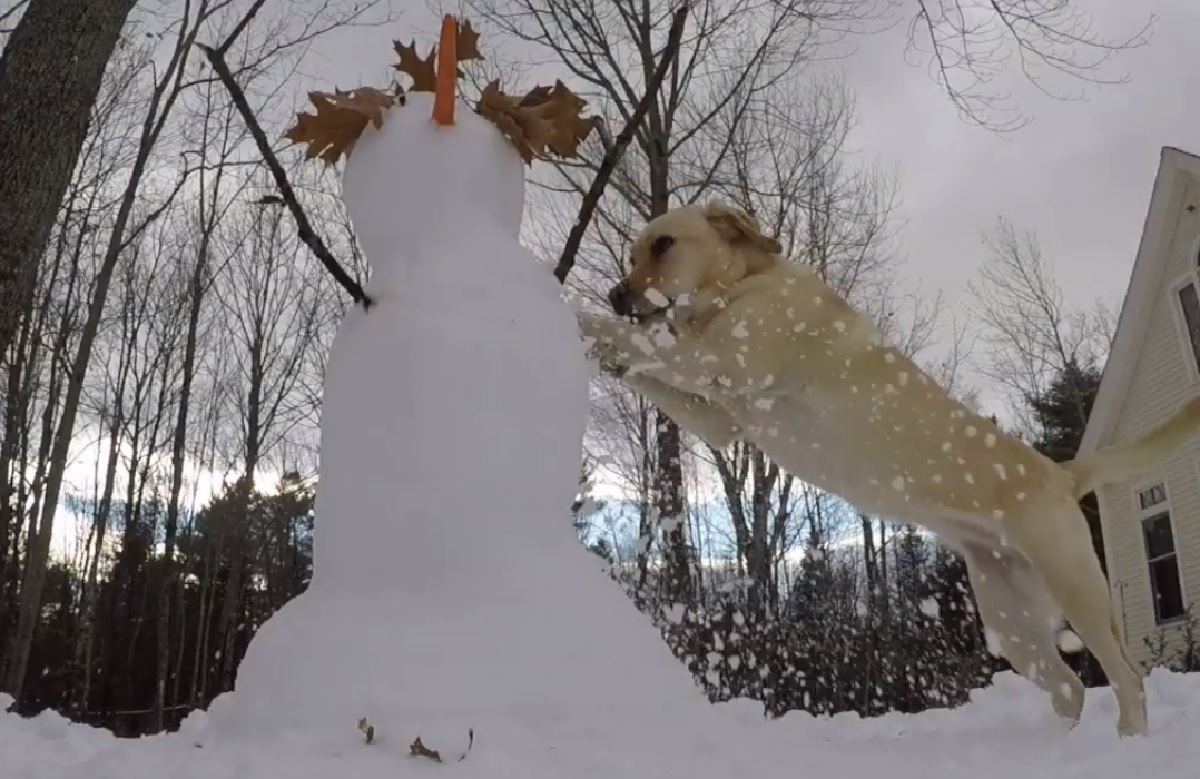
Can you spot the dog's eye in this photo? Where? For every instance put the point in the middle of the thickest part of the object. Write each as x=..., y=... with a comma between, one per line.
x=661, y=245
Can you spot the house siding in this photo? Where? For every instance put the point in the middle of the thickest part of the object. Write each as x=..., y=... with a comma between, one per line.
x=1162, y=382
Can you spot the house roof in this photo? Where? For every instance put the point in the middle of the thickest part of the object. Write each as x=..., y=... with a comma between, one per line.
x=1175, y=167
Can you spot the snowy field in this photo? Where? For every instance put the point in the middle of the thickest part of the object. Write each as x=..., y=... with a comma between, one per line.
x=1006, y=731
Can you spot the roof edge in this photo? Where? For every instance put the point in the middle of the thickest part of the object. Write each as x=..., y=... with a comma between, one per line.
x=1145, y=276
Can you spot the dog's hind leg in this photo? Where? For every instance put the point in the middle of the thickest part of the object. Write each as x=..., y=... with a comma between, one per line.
x=1022, y=618
x=1060, y=547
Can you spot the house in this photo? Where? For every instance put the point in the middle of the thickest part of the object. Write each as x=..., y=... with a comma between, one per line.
x=1151, y=525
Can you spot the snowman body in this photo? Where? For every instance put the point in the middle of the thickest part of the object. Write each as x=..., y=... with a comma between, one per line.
x=449, y=588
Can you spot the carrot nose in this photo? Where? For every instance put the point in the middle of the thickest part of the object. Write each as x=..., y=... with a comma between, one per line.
x=447, y=70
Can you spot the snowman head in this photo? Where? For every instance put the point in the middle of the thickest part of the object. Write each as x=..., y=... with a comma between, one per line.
x=434, y=157
x=419, y=176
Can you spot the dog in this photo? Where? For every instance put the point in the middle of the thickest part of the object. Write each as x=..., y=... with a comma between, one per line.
x=733, y=342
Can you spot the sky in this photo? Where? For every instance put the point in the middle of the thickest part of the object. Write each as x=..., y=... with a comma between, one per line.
x=1079, y=174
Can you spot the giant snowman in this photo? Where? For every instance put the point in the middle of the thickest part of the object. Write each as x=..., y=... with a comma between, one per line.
x=450, y=592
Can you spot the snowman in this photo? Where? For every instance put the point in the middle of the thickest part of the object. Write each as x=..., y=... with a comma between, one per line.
x=450, y=592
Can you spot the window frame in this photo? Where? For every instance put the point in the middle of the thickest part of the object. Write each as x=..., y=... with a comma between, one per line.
x=1143, y=515
x=1190, y=276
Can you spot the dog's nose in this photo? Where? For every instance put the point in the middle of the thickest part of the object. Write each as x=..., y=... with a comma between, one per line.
x=618, y=298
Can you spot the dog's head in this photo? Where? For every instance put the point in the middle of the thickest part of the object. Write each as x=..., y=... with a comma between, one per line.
x=688, y=250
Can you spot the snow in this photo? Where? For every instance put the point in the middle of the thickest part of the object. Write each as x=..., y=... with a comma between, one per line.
x=1005, y=731
x=450, y=594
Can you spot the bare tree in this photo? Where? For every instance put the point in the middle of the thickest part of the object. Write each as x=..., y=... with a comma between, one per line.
x=1028, y=332
x=104, y=151
x=1052, y=43
x=220, y=135
x=621, y=439
x=268, y=295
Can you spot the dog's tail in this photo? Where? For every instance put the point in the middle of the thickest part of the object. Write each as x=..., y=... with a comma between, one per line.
x=1124, y=461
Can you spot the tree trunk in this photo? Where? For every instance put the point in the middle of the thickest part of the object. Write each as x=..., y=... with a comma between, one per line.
x=669, y=478
x=16, y=408
x=47, y=107
x=869, y=552
x=87, y=630
x=178, y=445
x=670, y=511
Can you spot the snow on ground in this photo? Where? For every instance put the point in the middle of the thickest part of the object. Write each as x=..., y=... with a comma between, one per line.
x=1006, y=731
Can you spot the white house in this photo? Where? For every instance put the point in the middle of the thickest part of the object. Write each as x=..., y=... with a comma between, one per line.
x=1151, y=525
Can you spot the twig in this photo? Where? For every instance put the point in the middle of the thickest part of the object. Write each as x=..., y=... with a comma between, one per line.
x=241, y=26
x=616, y=149
x=305, y=229
x=470, y=743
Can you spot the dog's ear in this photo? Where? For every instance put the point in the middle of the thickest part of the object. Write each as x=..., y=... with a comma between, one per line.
x=737, y=226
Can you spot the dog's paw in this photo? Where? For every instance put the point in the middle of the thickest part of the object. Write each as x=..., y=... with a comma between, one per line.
x=606, y=354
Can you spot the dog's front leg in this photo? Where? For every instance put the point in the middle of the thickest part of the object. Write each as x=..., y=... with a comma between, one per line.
x=686, y=364
x=699, y=416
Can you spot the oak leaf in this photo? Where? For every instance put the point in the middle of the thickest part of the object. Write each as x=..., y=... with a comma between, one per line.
x=466, y=44
x=545, y=120
x=339, y=121
x=418, y=749
x=423, y=72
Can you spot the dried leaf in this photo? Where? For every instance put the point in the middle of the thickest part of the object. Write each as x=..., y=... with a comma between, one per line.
x=367, y=729
x=339, y=121
x=467, y=42
x=545, y=120
x=417, y=749
x=423, y=72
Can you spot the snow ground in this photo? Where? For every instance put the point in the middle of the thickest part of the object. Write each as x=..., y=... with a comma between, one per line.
x=1006, y=731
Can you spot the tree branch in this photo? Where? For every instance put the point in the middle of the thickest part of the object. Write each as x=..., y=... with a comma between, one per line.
x=305, y=229
x=613, y=154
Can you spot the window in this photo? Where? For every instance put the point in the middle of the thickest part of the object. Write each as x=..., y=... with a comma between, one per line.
x=1188, y=297
x=1166, y=590
x=1189, y=305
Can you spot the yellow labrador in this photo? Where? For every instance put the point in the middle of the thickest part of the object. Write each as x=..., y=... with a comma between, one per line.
x=733, y=342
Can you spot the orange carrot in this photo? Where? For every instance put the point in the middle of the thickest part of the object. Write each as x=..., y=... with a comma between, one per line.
x=447, y=68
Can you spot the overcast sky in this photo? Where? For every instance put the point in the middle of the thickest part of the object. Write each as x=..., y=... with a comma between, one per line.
x=1080, y=174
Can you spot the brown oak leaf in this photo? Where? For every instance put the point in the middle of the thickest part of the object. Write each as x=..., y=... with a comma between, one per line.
x=466, y=45
x=339, y=121
x=545, y=120
x=418, y=749
x=423, y=72
x=563, y=109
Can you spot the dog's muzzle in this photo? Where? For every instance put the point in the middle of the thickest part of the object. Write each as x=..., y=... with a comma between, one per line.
x=626, y=303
